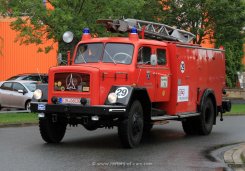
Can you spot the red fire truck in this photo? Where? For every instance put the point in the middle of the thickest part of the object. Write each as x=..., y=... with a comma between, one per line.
x=133, y=83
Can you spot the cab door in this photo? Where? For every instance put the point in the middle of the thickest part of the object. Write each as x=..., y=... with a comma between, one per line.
x=145, y=71
x=162, y=74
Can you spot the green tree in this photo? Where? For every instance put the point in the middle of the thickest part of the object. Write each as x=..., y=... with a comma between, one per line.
x=218, y=20
x=37, y=24
x=228, y=17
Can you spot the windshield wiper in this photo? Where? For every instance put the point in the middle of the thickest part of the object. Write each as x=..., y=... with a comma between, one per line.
x=110, y=57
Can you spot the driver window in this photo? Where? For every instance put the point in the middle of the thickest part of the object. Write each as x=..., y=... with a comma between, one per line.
x=144, y=55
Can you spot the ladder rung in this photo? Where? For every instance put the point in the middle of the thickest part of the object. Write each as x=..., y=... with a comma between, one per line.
x=152, y=30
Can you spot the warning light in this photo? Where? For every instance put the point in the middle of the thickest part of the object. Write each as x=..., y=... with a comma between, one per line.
x=86, y=31
x=86, y=34
x=134, y=30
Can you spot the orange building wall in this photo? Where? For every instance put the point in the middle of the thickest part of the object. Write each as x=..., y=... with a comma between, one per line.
x=17, y=59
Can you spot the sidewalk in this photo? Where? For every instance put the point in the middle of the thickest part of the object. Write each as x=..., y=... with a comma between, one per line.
x=235, y=157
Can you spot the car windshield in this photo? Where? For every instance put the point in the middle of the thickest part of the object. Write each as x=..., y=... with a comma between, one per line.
x=87, y=53
x=112, y=53
x=31, y=86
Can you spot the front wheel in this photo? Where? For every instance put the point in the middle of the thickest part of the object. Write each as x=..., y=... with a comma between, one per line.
x=130, y=130
x=28, y=105
x=52, y=132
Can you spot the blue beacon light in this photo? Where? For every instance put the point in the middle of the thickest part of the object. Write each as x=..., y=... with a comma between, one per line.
x=134, y=30
x=86, y=31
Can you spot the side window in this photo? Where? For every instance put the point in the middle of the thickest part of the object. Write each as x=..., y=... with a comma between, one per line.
x=18, y=86
x=161, y=57
x=144, y=55
x=6, y=86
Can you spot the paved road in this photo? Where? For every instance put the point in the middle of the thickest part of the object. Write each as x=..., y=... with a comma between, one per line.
x=167, y=148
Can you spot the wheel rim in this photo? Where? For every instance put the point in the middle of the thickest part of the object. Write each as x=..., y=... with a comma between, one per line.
x=28, y=106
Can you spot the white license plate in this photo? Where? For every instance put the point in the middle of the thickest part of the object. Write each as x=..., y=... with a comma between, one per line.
x=69, y=100
x=41, y=107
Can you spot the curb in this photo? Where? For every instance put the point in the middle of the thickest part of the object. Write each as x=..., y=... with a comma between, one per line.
x=235, y=157
x=18, y=125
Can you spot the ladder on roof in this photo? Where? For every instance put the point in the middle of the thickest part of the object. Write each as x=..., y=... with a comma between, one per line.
x=151, y=30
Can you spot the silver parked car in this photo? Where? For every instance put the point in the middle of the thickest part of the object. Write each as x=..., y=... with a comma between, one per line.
x=16, y=94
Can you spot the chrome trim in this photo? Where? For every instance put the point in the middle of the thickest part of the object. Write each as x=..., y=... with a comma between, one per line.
x=41, y=115
x=117, y=110
x=169, y=117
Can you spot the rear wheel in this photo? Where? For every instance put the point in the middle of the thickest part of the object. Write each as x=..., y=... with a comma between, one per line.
x=52, y=132
x=190, y=126
x=130, y=130
x=204, y=123
x=206, y=118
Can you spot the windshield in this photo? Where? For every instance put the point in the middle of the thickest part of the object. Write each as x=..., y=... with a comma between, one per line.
x=112, y=53
x=118, y=53
x=31, y=86
x=87, y=53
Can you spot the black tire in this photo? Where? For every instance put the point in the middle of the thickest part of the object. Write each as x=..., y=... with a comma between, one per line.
x=206, y=120
x=130, y=130
x=28, y=105
x=147, y=128
x=51, y=132
x=190, y=126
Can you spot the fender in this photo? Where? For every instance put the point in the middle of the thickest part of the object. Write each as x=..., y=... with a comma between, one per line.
x=209, y=93
x=127, y=94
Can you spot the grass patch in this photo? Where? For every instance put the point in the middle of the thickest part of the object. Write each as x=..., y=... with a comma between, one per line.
x=237, y=109
x=18, y=118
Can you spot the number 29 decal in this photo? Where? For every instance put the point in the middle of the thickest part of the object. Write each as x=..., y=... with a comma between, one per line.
x=121, y=92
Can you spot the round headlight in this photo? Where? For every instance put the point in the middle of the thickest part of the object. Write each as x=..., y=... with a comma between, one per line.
x=112, y=98
x=37, y=94
x=68, y=37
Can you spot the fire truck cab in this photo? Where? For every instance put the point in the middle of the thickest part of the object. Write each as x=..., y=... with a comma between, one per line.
x=133, y=83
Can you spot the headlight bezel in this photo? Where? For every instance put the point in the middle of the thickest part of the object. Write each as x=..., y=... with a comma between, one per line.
x=37, y=94
x=112, y=98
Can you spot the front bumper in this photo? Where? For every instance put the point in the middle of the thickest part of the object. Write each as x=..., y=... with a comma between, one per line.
x=78, y=110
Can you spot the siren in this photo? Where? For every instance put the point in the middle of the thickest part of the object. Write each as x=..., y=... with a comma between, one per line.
x=86, y=34
x=133, y=35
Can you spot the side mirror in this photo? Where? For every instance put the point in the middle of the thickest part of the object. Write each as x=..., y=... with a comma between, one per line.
x=21, y=91
x=153, y=59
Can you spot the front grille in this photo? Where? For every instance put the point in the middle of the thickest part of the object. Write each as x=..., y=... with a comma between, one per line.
x=77, y=82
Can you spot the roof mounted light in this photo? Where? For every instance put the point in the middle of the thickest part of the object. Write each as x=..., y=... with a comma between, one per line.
x=86, y=34
x=134, y=30
x=68, y=37
x=133, y=35
x=86, y=31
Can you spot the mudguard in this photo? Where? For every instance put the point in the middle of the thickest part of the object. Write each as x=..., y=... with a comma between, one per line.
x=126, y=93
